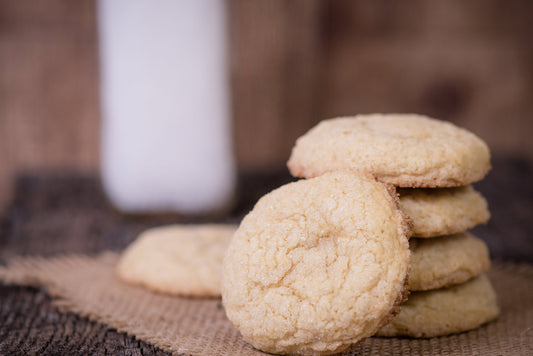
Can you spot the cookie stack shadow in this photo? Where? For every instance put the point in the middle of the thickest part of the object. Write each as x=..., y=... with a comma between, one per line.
x=433, y=165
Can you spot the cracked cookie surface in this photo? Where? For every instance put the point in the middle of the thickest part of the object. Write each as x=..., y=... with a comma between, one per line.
x=445, y=311
x=178, y=259
x=443, y=211
x=317, y=265
x=405, y=150
x=447, y=260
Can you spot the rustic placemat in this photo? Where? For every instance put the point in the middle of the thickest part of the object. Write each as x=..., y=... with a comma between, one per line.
x=87, y=286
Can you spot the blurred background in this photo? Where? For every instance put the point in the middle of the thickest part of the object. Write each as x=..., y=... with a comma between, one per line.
x=291, y=64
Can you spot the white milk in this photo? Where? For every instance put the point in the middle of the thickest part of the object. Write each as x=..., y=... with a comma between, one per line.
x=166, y=134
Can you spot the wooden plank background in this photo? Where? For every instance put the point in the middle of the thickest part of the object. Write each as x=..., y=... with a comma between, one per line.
x=293, y=63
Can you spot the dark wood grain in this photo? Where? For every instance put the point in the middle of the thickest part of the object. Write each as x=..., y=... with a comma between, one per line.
x=31, y=325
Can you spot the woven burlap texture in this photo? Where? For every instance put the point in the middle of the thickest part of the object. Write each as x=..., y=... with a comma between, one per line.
x=87, y=285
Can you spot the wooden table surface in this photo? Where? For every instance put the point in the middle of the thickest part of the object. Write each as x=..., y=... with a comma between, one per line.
x=65, y=213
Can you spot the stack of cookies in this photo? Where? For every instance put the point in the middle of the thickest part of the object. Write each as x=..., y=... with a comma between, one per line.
x=449, y=292
x=322, y=263
x=433, y=164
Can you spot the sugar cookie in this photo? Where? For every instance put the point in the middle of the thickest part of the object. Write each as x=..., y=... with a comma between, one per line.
x=443, y=211
x=178, y=259
x=445, y=311
x=317, y=265
x=406, y=150
x=447, y=260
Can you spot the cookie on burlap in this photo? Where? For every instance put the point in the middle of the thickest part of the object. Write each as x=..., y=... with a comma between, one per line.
x=445, y=311
x=443, y=211
x=317, y=265
x=178, y=259
x=406, y=150
x=447, y=260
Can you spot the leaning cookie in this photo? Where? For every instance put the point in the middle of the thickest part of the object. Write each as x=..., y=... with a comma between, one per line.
x=443, y=211
x=445, y=311
x=447, y=260
x=317, y=265
x=177, y=259
x=406, y=150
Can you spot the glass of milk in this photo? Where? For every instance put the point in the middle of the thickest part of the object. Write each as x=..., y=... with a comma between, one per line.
x=166, y=130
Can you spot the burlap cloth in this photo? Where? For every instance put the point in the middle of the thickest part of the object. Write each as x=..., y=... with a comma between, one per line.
x=87, y=286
